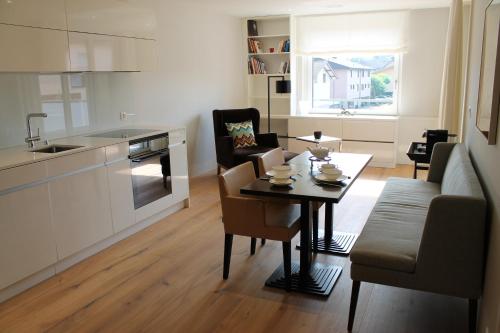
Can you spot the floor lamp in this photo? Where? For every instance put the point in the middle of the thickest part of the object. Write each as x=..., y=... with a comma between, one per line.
x=282, y=87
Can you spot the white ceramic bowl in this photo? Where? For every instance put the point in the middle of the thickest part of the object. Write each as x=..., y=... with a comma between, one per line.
x=329, y=166
x=320, y=153
x=282, y=175
x=282, y=168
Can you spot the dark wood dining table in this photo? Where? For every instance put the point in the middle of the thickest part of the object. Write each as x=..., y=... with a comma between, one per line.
x=308, y=276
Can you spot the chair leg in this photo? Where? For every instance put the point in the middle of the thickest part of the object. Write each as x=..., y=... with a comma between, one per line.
x=287, y=264
x=228, y=245
x=253, y=243
x=263, y=241
x=472, y=315
x=354, y=302
x=315, y=229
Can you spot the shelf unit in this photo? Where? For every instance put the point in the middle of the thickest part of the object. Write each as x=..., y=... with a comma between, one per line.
x=271, y=31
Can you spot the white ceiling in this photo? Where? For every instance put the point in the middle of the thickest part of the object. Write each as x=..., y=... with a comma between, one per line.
x=248, y=8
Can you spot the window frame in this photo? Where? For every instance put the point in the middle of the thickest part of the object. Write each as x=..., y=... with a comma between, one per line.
x=393, y=110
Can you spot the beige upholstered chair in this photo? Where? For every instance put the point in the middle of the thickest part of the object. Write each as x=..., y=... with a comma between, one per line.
x=255, y=217
x=275, y=157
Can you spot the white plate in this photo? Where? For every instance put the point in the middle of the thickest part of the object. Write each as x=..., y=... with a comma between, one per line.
x=273, y=173
x=281, y=182
x=324, y=178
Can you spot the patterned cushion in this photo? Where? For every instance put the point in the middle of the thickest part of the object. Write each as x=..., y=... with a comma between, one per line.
x=242, y=134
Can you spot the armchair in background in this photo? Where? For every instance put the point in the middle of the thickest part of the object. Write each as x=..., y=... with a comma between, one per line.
x=227, y=155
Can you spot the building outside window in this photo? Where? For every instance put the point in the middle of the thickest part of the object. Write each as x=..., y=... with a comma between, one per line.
x=371, y=91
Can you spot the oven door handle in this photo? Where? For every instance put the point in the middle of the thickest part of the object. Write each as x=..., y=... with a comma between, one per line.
x=144, y=157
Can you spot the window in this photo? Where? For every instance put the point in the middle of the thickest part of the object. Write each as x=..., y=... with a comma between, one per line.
x=371, y=91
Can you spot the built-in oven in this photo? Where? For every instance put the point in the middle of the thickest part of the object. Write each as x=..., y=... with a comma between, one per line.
x=151, y=172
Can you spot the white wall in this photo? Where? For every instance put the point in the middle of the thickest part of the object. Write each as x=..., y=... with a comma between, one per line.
x=421, y=73
x=421, y=77
x=200, y=59
x=486, y=159
x=200, y=70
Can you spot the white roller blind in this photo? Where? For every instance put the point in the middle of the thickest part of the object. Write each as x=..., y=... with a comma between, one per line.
x=352, y=33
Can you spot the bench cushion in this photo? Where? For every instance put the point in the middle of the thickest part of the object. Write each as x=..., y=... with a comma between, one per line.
x=459, y=177
x=391, y=236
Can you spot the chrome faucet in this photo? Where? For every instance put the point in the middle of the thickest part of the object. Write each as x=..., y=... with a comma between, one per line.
x=30, y=140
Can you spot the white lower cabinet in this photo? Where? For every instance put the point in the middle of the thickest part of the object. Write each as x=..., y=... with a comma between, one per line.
x=26, y=236
x=179, y=167
x=121, y=196
x=81, y=210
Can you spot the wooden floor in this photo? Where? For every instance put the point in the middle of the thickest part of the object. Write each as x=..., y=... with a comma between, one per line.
x=168, y=278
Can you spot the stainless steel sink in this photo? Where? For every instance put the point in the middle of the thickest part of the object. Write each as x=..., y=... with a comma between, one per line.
x=54, y=149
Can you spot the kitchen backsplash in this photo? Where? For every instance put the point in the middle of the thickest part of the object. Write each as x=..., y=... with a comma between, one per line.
x=75, y=104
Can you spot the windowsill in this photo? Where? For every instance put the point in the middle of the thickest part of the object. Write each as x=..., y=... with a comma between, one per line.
x=342, y=116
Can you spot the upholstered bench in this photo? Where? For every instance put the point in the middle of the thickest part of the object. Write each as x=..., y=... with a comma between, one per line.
x=426, y=235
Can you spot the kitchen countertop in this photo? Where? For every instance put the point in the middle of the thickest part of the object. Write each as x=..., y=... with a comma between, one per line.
x=21, y=155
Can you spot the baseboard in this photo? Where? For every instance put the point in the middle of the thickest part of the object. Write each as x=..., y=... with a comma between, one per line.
x=27, y=283
x=202, y=168
x=66, y=263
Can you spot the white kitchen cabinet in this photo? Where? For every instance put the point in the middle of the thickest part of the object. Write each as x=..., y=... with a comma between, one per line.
x=74, y=162
x=121, y=195
x=27, y=243
x=179, y=169
x=27, y=49
x=92, y=52
x=34, y=13
x=81, y=210
x=128, y=18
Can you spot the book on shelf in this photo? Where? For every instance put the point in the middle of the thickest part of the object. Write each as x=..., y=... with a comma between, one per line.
x=284, y=45
x=254, y=46
x=256, y=66
x=284, y=67
x=252, y=28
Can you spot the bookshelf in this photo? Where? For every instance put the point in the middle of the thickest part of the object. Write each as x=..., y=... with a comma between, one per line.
x=272, y=50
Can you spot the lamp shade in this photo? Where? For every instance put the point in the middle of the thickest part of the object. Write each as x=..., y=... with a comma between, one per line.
x=283, y=86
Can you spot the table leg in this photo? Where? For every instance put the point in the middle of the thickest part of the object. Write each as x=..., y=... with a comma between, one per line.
x=305, y=237
x=328, y=221
x=334, y=242
x=307, y=277
x=415, y=171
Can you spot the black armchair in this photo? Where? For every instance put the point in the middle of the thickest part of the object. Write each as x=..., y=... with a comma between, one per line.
x=227, y=155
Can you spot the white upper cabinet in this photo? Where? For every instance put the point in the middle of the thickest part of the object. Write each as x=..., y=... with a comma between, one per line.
x=34, y=13
x=92, y=52
x=128, y=18
x=25, y=49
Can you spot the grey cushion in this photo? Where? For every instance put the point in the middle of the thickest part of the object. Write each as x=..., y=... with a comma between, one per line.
x=391, y=236
x=459, y=177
